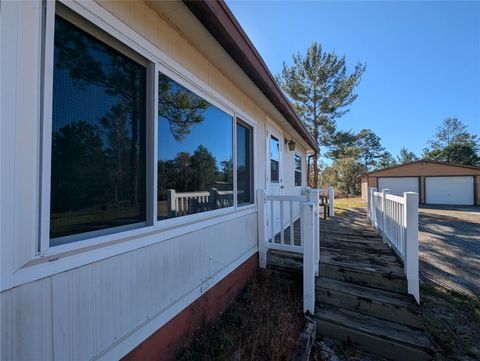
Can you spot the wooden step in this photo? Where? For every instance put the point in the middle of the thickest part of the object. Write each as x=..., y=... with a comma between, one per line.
x=365, y=276
x=381, y=337
x=382, y=304
x=374, y=261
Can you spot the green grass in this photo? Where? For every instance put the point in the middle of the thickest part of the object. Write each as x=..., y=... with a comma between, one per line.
x=342, y=204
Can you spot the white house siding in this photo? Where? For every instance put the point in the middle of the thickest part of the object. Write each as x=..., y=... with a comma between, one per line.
x=79, y=308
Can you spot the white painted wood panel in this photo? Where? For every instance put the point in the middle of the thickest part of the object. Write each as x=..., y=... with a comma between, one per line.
x=26, y=322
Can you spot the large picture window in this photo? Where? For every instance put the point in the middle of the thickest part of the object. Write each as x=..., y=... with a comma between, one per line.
x=244, y=163
x=102, y=156
x=195, y=166
x=98, y=167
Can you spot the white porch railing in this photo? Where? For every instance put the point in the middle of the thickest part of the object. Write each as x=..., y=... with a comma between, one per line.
x=396, y=219
x=182, y=203
x=271, y=237
x=330, y=194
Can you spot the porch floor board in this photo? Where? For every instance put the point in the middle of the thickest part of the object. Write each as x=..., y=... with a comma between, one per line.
x=361, y=293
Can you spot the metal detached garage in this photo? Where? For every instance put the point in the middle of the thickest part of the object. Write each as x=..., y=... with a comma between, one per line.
x=435, y=182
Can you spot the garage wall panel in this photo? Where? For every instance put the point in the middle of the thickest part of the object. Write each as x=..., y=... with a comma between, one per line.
x=399, y=185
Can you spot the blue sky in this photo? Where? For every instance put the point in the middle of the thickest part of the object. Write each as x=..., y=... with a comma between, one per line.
x=423, y=58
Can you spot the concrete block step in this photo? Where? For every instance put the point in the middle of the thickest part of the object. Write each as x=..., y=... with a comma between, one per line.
x=375, y=302
x=383, y=338
x=365, y=276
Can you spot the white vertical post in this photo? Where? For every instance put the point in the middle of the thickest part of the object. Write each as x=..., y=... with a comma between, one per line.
x=373, y=207
x=411, y=240
x=384, y=193
x=261, y=228
x=308, y=256
x=171, y=202
x=331, y=201
x=314, y=197
x=369, y=203
x=282, y=233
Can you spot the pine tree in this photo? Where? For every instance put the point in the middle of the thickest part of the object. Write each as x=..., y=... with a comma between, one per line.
x=453, y=143
x=320, y=89
x=406, y=156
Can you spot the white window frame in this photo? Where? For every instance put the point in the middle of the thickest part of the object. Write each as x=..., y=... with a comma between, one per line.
x=297, y=154
x=93, y=249
x=240, y=120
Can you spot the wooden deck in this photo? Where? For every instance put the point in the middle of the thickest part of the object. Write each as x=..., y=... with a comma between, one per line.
x=361, y=293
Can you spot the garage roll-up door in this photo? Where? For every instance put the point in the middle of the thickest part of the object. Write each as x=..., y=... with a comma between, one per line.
x=449, y=190
x=398, y=185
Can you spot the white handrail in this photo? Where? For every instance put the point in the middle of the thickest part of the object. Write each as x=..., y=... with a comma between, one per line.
x=291, y=208
x=396, y=219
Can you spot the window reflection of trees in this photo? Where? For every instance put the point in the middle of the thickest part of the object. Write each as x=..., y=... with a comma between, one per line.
x=98, y=162
x=99, y=139
x=196, y=180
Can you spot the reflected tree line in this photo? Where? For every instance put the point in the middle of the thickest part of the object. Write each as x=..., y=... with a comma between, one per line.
x=197, y=171
x=99, y=162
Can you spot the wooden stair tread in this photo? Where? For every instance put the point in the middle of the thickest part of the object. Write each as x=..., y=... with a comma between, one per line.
x=379, y=295
x=382, y=329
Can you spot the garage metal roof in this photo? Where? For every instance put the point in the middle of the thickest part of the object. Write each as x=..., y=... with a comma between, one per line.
x=423, y=161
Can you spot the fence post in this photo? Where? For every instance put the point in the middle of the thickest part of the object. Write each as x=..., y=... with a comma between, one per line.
x=314, y=197
x=308, y=257
x=373, y=207
x=171, y=202
x=261, y=228
x=411, y=243
x=331, y=201
x=369, y=204
x=384, y=193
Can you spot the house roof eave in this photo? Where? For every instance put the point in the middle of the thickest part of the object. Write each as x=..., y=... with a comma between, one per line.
x=220, y=22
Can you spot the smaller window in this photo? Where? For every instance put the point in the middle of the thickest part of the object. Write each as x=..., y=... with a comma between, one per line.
x=274, y=159
x=298, y=171
x=244, y=163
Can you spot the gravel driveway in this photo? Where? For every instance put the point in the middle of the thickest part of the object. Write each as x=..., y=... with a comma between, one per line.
x=450, y=247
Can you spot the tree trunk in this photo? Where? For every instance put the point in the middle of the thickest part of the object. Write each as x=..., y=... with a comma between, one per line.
x=315, y=157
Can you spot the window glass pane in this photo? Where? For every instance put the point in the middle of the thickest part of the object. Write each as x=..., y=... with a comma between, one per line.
x=298, y=170
x=274, y=148
x=298, y=162
x=274, y=171
x=195, y=168
x=298, y=179
x=274, y=159
x=244, y=164
x=98, y=141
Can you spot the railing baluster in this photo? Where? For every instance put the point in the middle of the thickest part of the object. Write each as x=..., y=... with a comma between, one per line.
x=282, y=233
x=396, y=219
x=292, y=234
x=272, y=224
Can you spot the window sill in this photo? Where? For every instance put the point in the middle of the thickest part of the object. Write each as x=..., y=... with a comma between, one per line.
x=61, y=259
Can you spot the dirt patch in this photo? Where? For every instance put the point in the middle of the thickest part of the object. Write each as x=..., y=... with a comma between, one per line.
x=453, y=321
x=263, y=324
x=450, y=248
